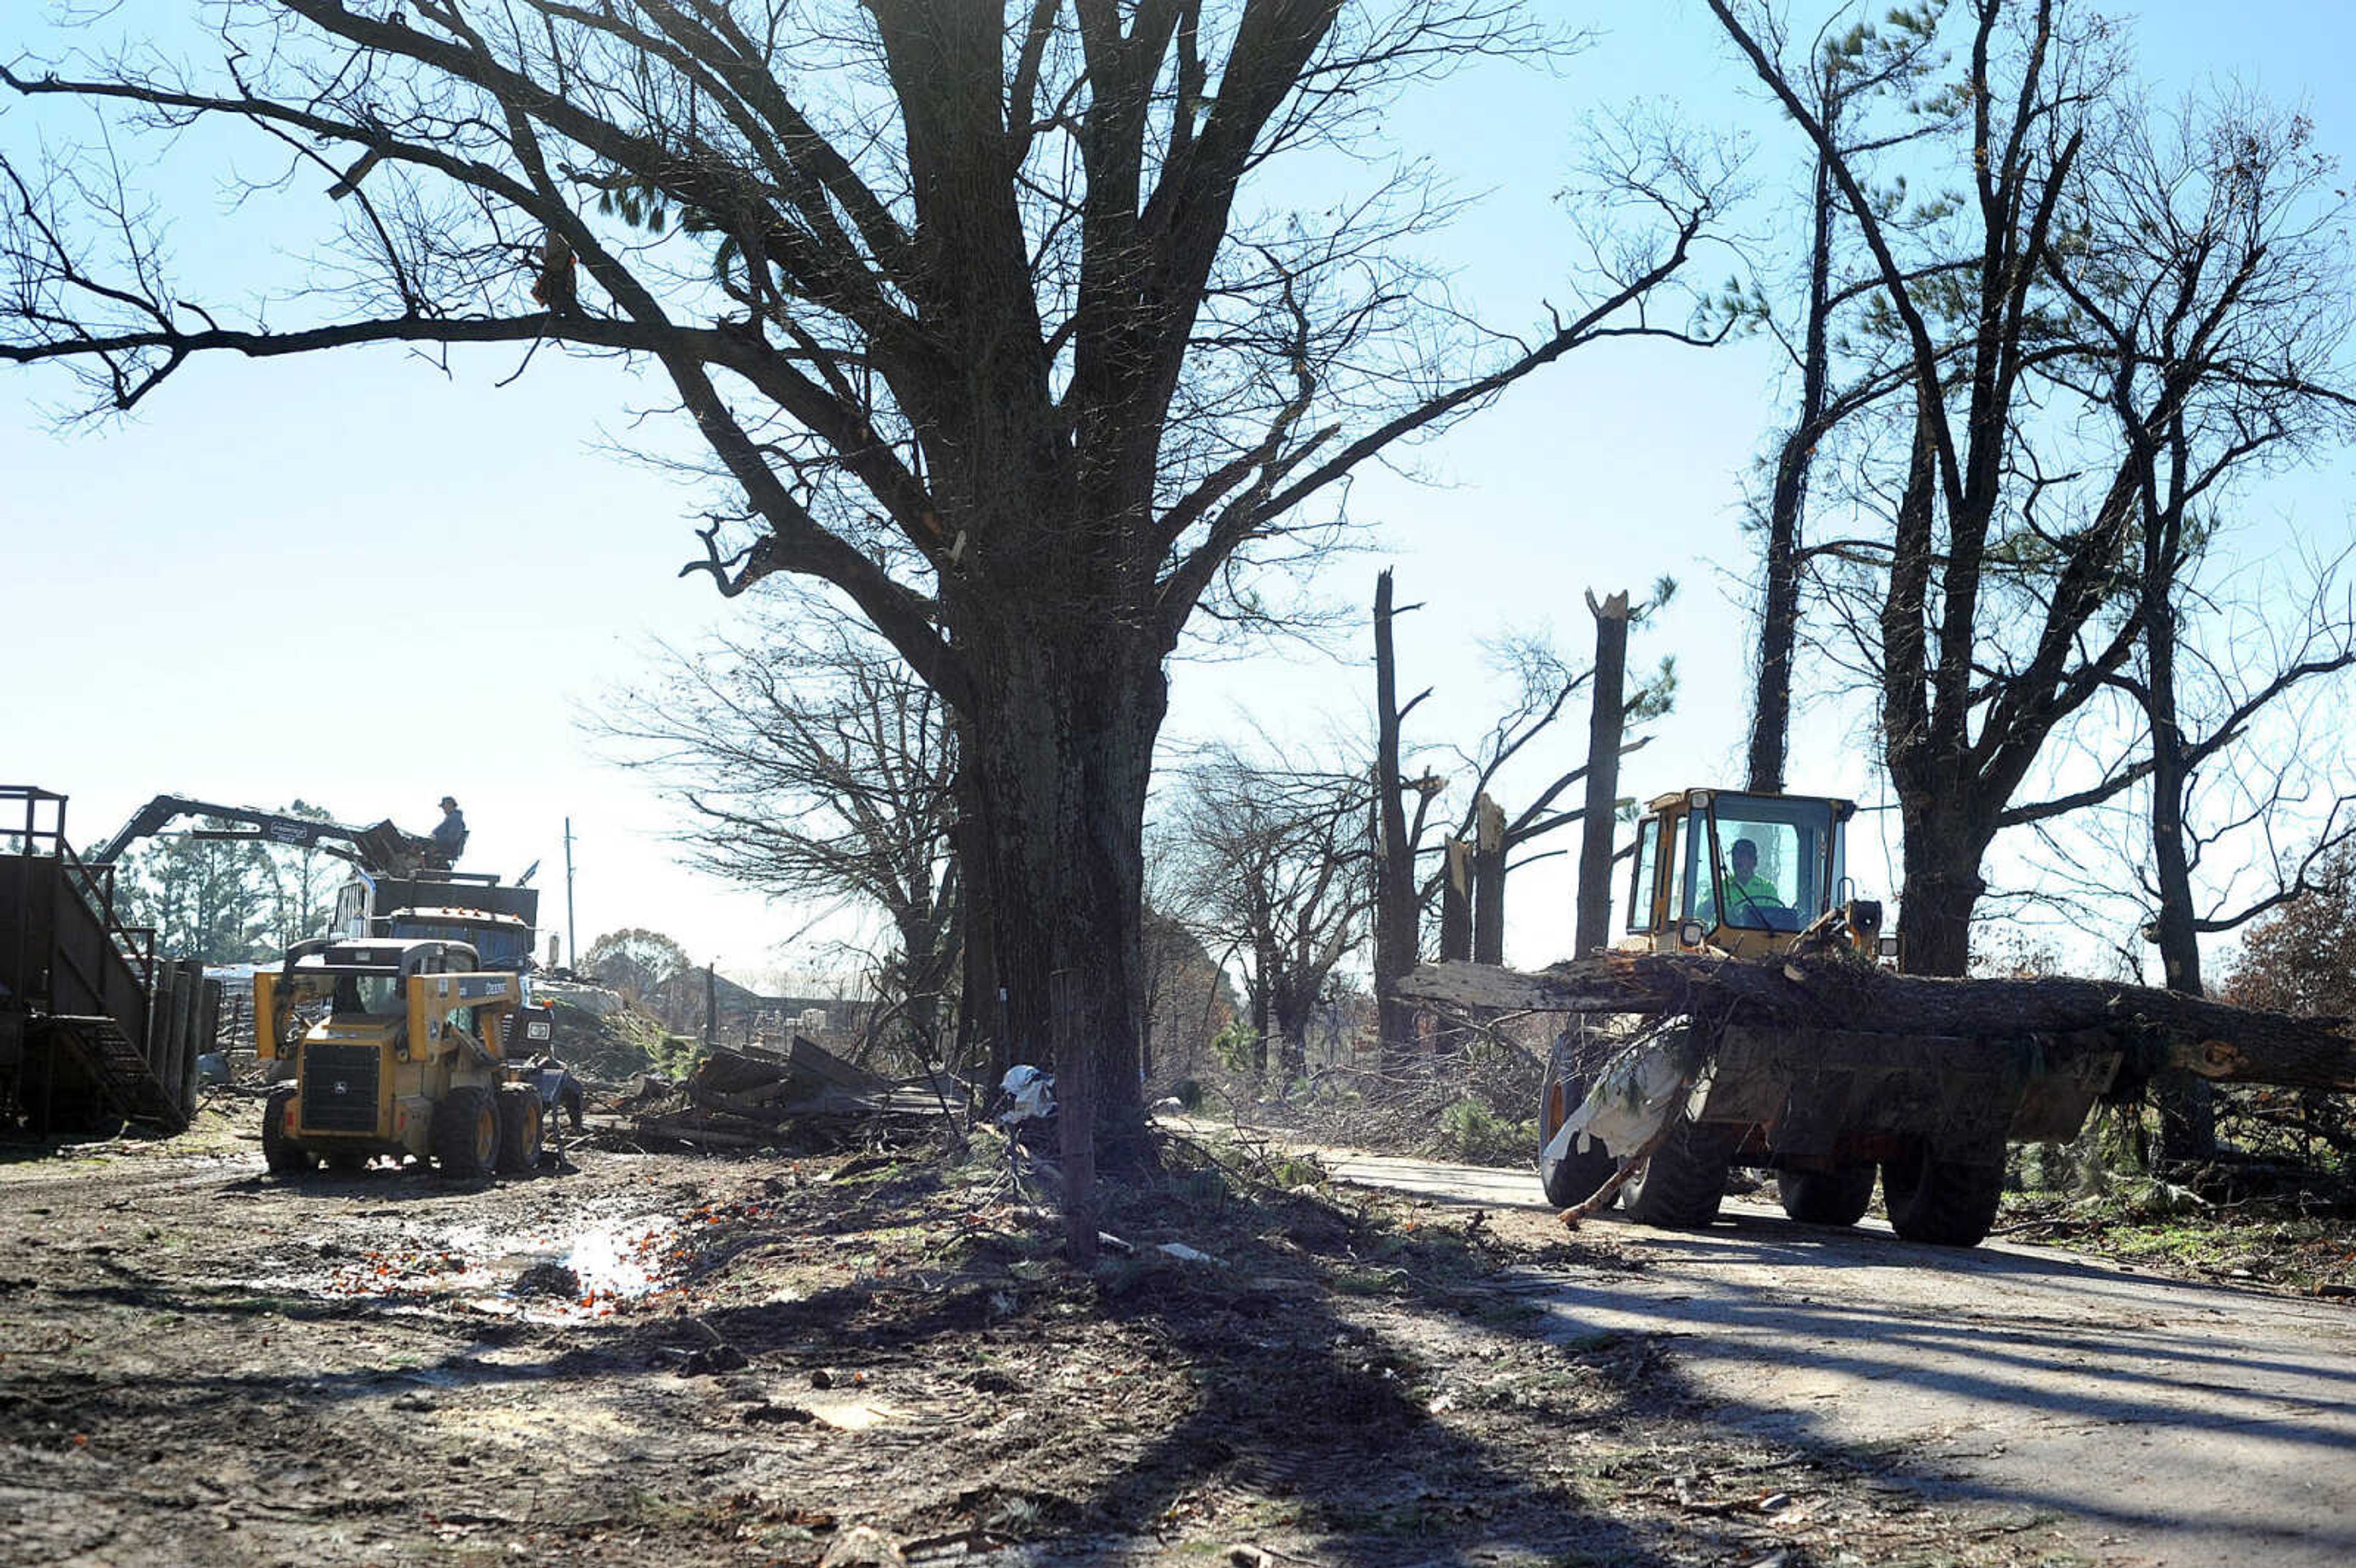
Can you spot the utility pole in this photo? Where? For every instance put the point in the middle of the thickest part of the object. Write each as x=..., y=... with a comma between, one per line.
x=572, y=936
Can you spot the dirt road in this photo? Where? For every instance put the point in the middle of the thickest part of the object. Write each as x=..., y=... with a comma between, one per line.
x=886, y=1358
x=2175, y=1423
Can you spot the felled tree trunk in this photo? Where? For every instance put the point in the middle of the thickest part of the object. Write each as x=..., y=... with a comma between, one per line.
x=2154, y=1030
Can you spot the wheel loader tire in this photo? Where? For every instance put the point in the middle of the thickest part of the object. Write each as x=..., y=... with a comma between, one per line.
x=466, y=1133
x=1947, y=1202
x=1679, y=1186
x=1574, y=1178
x=280, y=1153
x=1826, y=1196
x=522, y=1127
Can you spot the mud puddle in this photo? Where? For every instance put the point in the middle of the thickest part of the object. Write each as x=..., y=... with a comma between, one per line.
x=555, y=1273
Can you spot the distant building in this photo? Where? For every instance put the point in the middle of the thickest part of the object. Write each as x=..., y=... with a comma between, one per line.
x=742, y=1014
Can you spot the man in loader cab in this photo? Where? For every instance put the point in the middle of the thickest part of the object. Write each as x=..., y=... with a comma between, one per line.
x=1750, y=899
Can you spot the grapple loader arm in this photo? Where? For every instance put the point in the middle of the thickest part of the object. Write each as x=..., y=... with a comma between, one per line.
x=380, y=848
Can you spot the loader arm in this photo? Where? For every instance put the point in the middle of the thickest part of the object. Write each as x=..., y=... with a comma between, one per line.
x=380, y=848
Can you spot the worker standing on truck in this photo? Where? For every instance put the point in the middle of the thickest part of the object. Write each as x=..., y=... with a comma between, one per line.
x=1749, y=895
x=450, y=835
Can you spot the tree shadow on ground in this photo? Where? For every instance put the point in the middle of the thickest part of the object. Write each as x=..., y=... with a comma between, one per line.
x=1373, y=1387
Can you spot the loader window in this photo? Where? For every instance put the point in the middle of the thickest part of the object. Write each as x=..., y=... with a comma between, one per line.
x=372, y=994
x=1677, y=838
x=1641, y=882
x=1774, y=860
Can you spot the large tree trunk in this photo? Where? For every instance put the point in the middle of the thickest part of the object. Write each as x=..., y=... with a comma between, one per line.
x=1456, y=901
x=2153, y=1030
x=980, y=1018
x=1488, y=882
x=1942, y=886
x=1062, y=750
x=2188, y=1108
x=1291, y=1008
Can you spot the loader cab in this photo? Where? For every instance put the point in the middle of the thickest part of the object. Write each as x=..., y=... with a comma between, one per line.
x=370, y=976
x=1741, y=872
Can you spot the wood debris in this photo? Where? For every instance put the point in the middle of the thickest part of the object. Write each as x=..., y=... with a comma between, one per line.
x=748, y=1098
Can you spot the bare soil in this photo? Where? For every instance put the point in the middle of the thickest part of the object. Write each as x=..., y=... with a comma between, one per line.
x=667, y=1357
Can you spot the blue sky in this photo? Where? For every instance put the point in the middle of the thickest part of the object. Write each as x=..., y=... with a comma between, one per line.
x=358, y=581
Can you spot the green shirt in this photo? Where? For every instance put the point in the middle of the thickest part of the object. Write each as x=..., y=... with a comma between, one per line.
x=1747, y=898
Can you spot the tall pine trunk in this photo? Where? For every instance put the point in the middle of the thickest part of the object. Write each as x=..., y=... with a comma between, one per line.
x=2187, y=1107
x=1779, y=623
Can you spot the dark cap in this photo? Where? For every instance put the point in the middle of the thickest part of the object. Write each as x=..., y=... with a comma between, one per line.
x=448, y=804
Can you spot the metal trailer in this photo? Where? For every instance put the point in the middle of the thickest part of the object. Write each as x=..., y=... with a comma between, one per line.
x=96, y=1028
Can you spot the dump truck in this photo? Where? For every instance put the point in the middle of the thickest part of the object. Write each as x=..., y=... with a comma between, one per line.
x=406, y=1056
x=1678, y=1098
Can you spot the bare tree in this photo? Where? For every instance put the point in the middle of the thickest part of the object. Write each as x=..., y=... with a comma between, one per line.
x=2216, y=280
x=956, y=295
x=816, y=766
x=1276, y=864
x=1543, y=685
x=2002, y=602
x=1851, y=64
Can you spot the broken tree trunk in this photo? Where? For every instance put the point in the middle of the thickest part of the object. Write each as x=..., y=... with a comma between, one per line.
x=1606, y=724
x=1456, y=902
x=1396, y=935
x=2153, y=1030
x=1488, y=882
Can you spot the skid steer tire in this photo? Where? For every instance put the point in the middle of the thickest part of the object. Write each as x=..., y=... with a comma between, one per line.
x=1826, y=1196
x=1947, y=1202
x=466, y=1133
x=280, y=1153
x=522, y=1128
x=1574, y=1178
x=1679, y=1186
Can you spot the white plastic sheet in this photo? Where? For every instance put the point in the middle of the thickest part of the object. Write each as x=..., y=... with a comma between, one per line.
x=1030, y=1096
x=1635, y=1096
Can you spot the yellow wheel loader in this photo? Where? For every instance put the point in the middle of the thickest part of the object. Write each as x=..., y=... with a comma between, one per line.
x=1681, y=1098
x=397, y=1047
